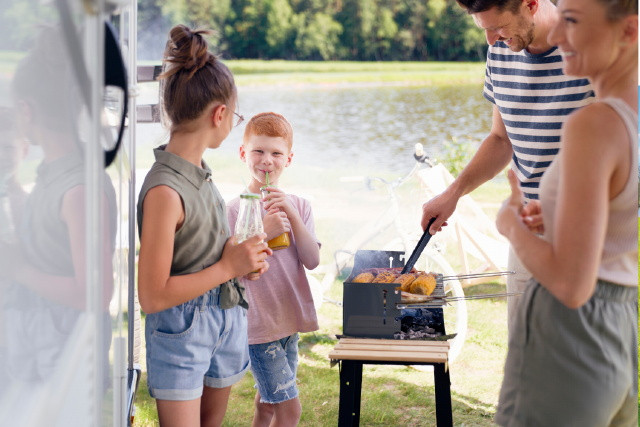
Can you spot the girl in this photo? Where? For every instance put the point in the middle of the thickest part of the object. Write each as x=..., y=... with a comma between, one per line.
x=572, y=358
x=196, y=336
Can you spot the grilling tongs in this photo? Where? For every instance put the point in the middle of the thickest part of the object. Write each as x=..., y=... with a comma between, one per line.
x=422, y=243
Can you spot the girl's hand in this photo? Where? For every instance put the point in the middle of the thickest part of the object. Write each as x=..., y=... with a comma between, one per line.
x=256, y=274
x=532, y=216
x=246, y=257
x=510, y=213
x=275, y=223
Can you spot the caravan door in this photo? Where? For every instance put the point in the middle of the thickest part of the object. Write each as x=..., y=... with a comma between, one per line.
x=64, y=216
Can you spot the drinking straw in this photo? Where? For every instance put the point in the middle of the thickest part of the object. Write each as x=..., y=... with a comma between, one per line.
x=266, y=174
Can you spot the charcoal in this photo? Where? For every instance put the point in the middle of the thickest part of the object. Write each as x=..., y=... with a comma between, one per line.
x=419, y=323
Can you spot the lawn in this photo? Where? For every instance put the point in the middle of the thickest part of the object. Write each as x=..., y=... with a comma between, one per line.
x=278, y=72
x=391, y=396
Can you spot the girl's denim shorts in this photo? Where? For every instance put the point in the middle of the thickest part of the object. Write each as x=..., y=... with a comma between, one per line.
x=274, y=366
x=195, y=344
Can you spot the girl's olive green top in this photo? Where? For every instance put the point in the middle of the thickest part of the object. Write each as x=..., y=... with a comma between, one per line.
x=199, y=242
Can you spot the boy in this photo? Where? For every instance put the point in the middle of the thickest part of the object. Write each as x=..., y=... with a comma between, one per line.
x=280, y=302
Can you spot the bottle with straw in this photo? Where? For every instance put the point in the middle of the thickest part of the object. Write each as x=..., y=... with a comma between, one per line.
x=282, y=241
x=249, y=221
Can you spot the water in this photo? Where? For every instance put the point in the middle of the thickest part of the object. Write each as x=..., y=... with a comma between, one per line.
x=343, y=126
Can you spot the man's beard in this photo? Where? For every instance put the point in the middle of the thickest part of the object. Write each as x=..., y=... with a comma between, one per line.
x=520, y=42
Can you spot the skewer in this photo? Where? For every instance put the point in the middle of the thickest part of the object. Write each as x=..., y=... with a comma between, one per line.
x=471, y=276
x=439, y=301
x=482, y=296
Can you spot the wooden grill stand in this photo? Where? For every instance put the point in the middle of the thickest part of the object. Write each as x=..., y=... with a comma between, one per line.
x=352, y=353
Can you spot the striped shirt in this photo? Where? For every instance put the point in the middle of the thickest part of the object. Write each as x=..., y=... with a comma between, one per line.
x=534, y=98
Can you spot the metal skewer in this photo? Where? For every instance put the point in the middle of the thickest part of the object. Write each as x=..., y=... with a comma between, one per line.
x=439, y=301
x=471, y=276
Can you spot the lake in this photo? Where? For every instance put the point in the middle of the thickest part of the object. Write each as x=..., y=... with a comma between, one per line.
x=343, y=126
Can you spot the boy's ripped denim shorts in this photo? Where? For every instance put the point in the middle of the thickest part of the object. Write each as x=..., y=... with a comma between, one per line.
x=195, y=344
x=274, y=366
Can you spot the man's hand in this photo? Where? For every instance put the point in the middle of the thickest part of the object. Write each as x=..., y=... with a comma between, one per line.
x=441, y=208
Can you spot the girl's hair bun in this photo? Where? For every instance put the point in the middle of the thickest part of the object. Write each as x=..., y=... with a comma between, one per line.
x=187, y=50
x=192, y=77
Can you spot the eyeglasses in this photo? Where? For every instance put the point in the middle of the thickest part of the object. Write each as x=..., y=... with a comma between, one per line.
x=239, y=119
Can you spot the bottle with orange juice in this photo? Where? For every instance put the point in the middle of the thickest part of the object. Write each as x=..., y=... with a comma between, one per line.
x=279, y=242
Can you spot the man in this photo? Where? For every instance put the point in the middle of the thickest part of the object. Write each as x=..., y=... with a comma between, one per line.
x=531, y=97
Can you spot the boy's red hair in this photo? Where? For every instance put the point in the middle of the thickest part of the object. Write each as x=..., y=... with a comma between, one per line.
x=269, y=124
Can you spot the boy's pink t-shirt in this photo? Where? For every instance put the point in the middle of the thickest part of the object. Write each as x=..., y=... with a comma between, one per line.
x=280, y=302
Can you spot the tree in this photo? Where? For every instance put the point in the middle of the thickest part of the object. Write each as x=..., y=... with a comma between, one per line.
x=321, y=29
x=318, y=38
x=451, y=33
x=279, y=37
x=209, y=14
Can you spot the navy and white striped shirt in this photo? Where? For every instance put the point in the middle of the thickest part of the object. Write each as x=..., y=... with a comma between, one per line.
x=534, y=98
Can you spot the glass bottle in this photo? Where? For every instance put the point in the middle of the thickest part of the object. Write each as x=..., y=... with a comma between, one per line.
x=249, y=222
x=278, y=242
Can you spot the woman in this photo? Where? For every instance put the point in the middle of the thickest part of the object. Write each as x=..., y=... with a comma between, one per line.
x=572, y=358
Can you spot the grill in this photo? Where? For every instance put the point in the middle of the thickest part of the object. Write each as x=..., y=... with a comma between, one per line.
x=374, y=310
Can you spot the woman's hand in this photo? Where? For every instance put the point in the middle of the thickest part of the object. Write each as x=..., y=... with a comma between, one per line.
x=532, y=216
x=510, y=214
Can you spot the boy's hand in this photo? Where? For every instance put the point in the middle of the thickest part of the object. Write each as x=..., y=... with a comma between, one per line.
x=275, y=223
x=277, y=199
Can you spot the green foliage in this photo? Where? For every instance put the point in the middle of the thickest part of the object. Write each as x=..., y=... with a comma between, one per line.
x=318, y=37
x=456, y=155
x=380, y=30
x=278, y=32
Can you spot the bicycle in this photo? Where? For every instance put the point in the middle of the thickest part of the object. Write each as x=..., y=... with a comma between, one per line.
x=471, y=231
x=390, y=219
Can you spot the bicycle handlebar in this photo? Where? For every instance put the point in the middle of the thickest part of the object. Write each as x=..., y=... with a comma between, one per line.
x=420, y=157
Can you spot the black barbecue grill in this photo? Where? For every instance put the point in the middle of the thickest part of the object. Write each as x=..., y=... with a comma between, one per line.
x=376, y=310
x=373, y=310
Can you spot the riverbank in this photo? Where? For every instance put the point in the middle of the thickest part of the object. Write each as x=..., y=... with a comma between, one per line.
x=261, y=73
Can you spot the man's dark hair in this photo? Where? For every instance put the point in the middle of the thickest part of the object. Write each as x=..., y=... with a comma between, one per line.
x=475, y=6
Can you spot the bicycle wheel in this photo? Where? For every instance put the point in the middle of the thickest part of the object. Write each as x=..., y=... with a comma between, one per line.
x=455, y=314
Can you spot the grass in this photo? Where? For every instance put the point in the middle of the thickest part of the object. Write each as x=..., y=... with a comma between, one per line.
x=279, y=72
x=391, y=395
